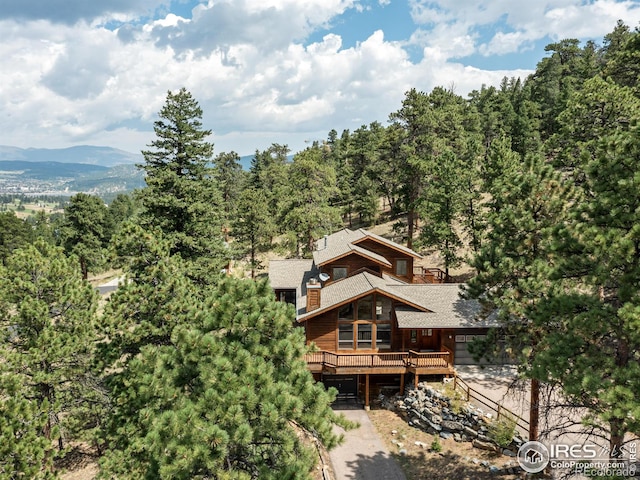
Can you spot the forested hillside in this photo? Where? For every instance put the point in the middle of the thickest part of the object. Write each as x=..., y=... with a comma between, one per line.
x=189, y=373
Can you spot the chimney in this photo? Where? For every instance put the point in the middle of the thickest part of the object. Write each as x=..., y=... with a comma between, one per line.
x=326, y=238
x=313, y=294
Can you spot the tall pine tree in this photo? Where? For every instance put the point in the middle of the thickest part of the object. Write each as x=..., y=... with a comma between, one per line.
x=182, y=198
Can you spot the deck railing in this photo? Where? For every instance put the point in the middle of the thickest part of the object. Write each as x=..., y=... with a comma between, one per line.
x=380, y=360
x=428, y=359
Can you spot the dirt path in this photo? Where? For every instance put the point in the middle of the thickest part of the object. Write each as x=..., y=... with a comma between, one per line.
x=363, y=455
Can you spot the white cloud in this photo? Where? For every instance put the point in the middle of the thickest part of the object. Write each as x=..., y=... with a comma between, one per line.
x=251, y=67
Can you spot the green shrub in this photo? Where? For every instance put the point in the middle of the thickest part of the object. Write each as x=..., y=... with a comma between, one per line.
x=502, y=430
x=435, y=445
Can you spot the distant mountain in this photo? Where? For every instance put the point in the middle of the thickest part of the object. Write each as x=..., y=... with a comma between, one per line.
x=103, y=156
x=47, y=170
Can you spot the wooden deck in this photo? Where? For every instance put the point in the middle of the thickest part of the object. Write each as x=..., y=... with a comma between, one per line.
x=429, y=275
x=421, y=363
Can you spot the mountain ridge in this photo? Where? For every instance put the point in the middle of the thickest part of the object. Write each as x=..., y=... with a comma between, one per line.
x=82, y=154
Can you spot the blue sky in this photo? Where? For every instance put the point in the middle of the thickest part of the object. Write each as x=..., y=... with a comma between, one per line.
x=264, y=71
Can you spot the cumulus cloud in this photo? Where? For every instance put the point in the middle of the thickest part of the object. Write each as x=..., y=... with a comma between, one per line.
x=250, y=63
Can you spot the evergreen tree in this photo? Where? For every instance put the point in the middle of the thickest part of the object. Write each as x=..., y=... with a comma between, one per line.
x=24, y=451
x=307, y=213
x=594, y=350
x=14, y=233
x=222, y=395
x=86, y=231
x=122, y=208
x=182, y=198
x=231, y=178
x=253, y=225
x=48, y=345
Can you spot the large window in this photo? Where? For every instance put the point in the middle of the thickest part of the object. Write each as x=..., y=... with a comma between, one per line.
x=383, y=308
x=383, y=335
x=364, y=336
x=365, y=324
x=346, y=312
x=345, y=336
x=365, y=308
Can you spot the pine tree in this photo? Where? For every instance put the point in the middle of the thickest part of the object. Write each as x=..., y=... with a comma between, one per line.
x=594, y=349
x=307, y=213
x=223, y=397
x=14, y=233
x=253, y=225
x=86, y=231
x=231, y=179
x=182, y=198
x=49, y=345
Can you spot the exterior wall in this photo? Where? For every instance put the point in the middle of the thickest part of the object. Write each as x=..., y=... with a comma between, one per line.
x=391, y=255
x=352, y=262
x=323, y=330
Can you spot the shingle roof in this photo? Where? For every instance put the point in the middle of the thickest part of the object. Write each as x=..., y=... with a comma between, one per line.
x=290, y=273
x=345, y=241
x=397, y=246
x=356, y=286
x=448, y=308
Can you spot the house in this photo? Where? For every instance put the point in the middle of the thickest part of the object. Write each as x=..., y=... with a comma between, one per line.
x=376, y=317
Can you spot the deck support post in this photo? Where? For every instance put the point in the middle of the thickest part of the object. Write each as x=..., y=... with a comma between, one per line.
x=416, y=379
x=402, y=384
x=366, y=392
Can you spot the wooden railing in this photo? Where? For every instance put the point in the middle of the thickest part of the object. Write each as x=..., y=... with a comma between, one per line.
x=429, y=275
x=428, y=359
x=380, y=360
x=474, y=396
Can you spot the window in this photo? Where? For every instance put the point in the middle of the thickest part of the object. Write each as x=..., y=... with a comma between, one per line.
x=383, y=336
x=365, y=308
x=401, y=267
x=338, y=272
x=345, y=336
x=383, y=308
x=364, y=336
x=414, y=336
x=346, y=312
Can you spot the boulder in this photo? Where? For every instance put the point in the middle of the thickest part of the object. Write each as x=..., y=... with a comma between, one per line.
x=470, y=432
x=484, y=445
x=446, y=435
x=452, y=426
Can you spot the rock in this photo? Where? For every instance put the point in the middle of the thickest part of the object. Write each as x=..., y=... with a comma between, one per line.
x=403, y=452
x=446, y=435
x=394, y=441
x=470, y=432
x=400, y=444
x=477, y=443
x=420, y=444
x=433, y=428
x=457, y=437
x=508, y=453
x=484, y=438
x=484, y=463
x=494, y=469
x=393, y=432
x=476, y=461
x=452, y=426
x=489, y=415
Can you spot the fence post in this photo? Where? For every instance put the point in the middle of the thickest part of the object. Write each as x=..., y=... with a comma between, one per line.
x=498, y=416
